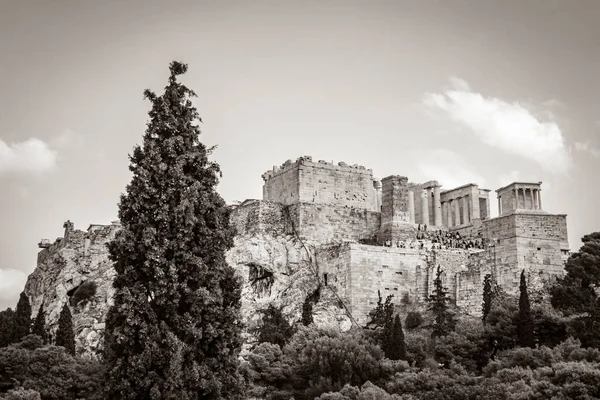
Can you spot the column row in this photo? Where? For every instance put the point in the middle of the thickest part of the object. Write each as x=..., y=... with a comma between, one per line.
x=430, y=199
x=457, y=211
x=528, y=199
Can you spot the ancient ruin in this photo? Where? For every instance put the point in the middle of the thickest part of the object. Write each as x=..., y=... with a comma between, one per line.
x=337, y=231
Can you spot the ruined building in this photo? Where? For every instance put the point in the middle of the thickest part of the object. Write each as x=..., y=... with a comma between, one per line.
x=336, y=231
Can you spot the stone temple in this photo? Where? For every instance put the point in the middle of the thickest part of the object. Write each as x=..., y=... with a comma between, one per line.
x=338, y=229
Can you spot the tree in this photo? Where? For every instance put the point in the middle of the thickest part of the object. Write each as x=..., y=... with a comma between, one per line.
x=39, y=325
x=174, y=329
x=383, y=313
x=274, y=327
x=65, y=336
x=6, y=327
x=439, y=304
x=395, y=348
x=22, y=318
x=576, y=293
x=488, y=296
x=525, y=326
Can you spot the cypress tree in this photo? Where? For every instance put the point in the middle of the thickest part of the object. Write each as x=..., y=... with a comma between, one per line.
x=439, y=304
x=6, y=327
x=65, y=336
x=525, y=324
x=394, y=344
x=307, y=309
x=22, y=319
x=174, y=329
x=39, y=325
x=488, y=295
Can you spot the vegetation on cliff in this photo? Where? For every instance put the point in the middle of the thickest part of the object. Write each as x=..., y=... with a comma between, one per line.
x=65, y=336
x=174, y=329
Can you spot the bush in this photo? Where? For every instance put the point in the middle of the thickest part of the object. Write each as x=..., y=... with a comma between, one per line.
x=22, y=394
x=413, y=320
x=84, y=292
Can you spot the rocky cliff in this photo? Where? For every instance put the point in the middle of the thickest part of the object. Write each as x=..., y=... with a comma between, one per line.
x=275, y=269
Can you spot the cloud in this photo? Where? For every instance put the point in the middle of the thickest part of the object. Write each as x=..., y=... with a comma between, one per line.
x=32, y=156
x=12, y=282
x=509, y=127
x=449, y=169
x=585, y=147
x=68, y=138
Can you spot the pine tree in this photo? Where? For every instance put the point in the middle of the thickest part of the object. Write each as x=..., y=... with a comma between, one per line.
x=394, y=344
x=488, y=296
x=439, y=304
x=39, y=325
x=65, y=335
x=174, y=329
x=22, y=319
x=524, y=320
x=6, y=327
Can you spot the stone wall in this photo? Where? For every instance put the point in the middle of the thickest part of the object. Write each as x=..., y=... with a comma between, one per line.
x=389, y=270
x=254, y=216
x=322, y=183
x=328, y=223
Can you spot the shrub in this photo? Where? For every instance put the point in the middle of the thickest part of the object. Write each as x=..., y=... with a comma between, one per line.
x=413, y=320
x=22, y=394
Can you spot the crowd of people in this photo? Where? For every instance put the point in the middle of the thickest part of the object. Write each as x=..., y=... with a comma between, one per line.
x=436, y=239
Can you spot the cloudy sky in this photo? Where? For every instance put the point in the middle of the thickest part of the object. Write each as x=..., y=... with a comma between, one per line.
x=458, y=91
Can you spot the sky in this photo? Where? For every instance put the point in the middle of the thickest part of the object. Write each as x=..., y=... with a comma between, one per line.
x=458, y=91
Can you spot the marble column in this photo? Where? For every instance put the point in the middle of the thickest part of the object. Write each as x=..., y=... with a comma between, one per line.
x=540, y=198
x=466, y=216
x=456, y=211
x=499, y=205
x=411, y=206
x=532, y=199
x=425, y=207
x=449, y=212
x=437, y=206
x=515, y=199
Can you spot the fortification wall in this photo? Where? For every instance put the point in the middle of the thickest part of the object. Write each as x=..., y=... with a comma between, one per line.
x=542, y=243
x=305, y=181
x=257, y=216
x=334, y=268
x=328, y=223
x=390, y=270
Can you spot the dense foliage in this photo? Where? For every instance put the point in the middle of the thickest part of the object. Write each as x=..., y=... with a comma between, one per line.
x=274, y=328
x=174, y=329
x=576, y=295
x=49, y=371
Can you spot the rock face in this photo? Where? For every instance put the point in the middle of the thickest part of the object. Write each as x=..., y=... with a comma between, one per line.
x=280, y=271
x=77, y=258
x=275, y=269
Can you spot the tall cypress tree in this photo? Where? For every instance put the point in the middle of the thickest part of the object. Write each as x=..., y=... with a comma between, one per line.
x=65, y=336
x=524, y=320
x=22, y=318
x=174, y=329
x=6, y=327
x=394, y=344
x=488, y=296
x=439, y=304
x=39, y=325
